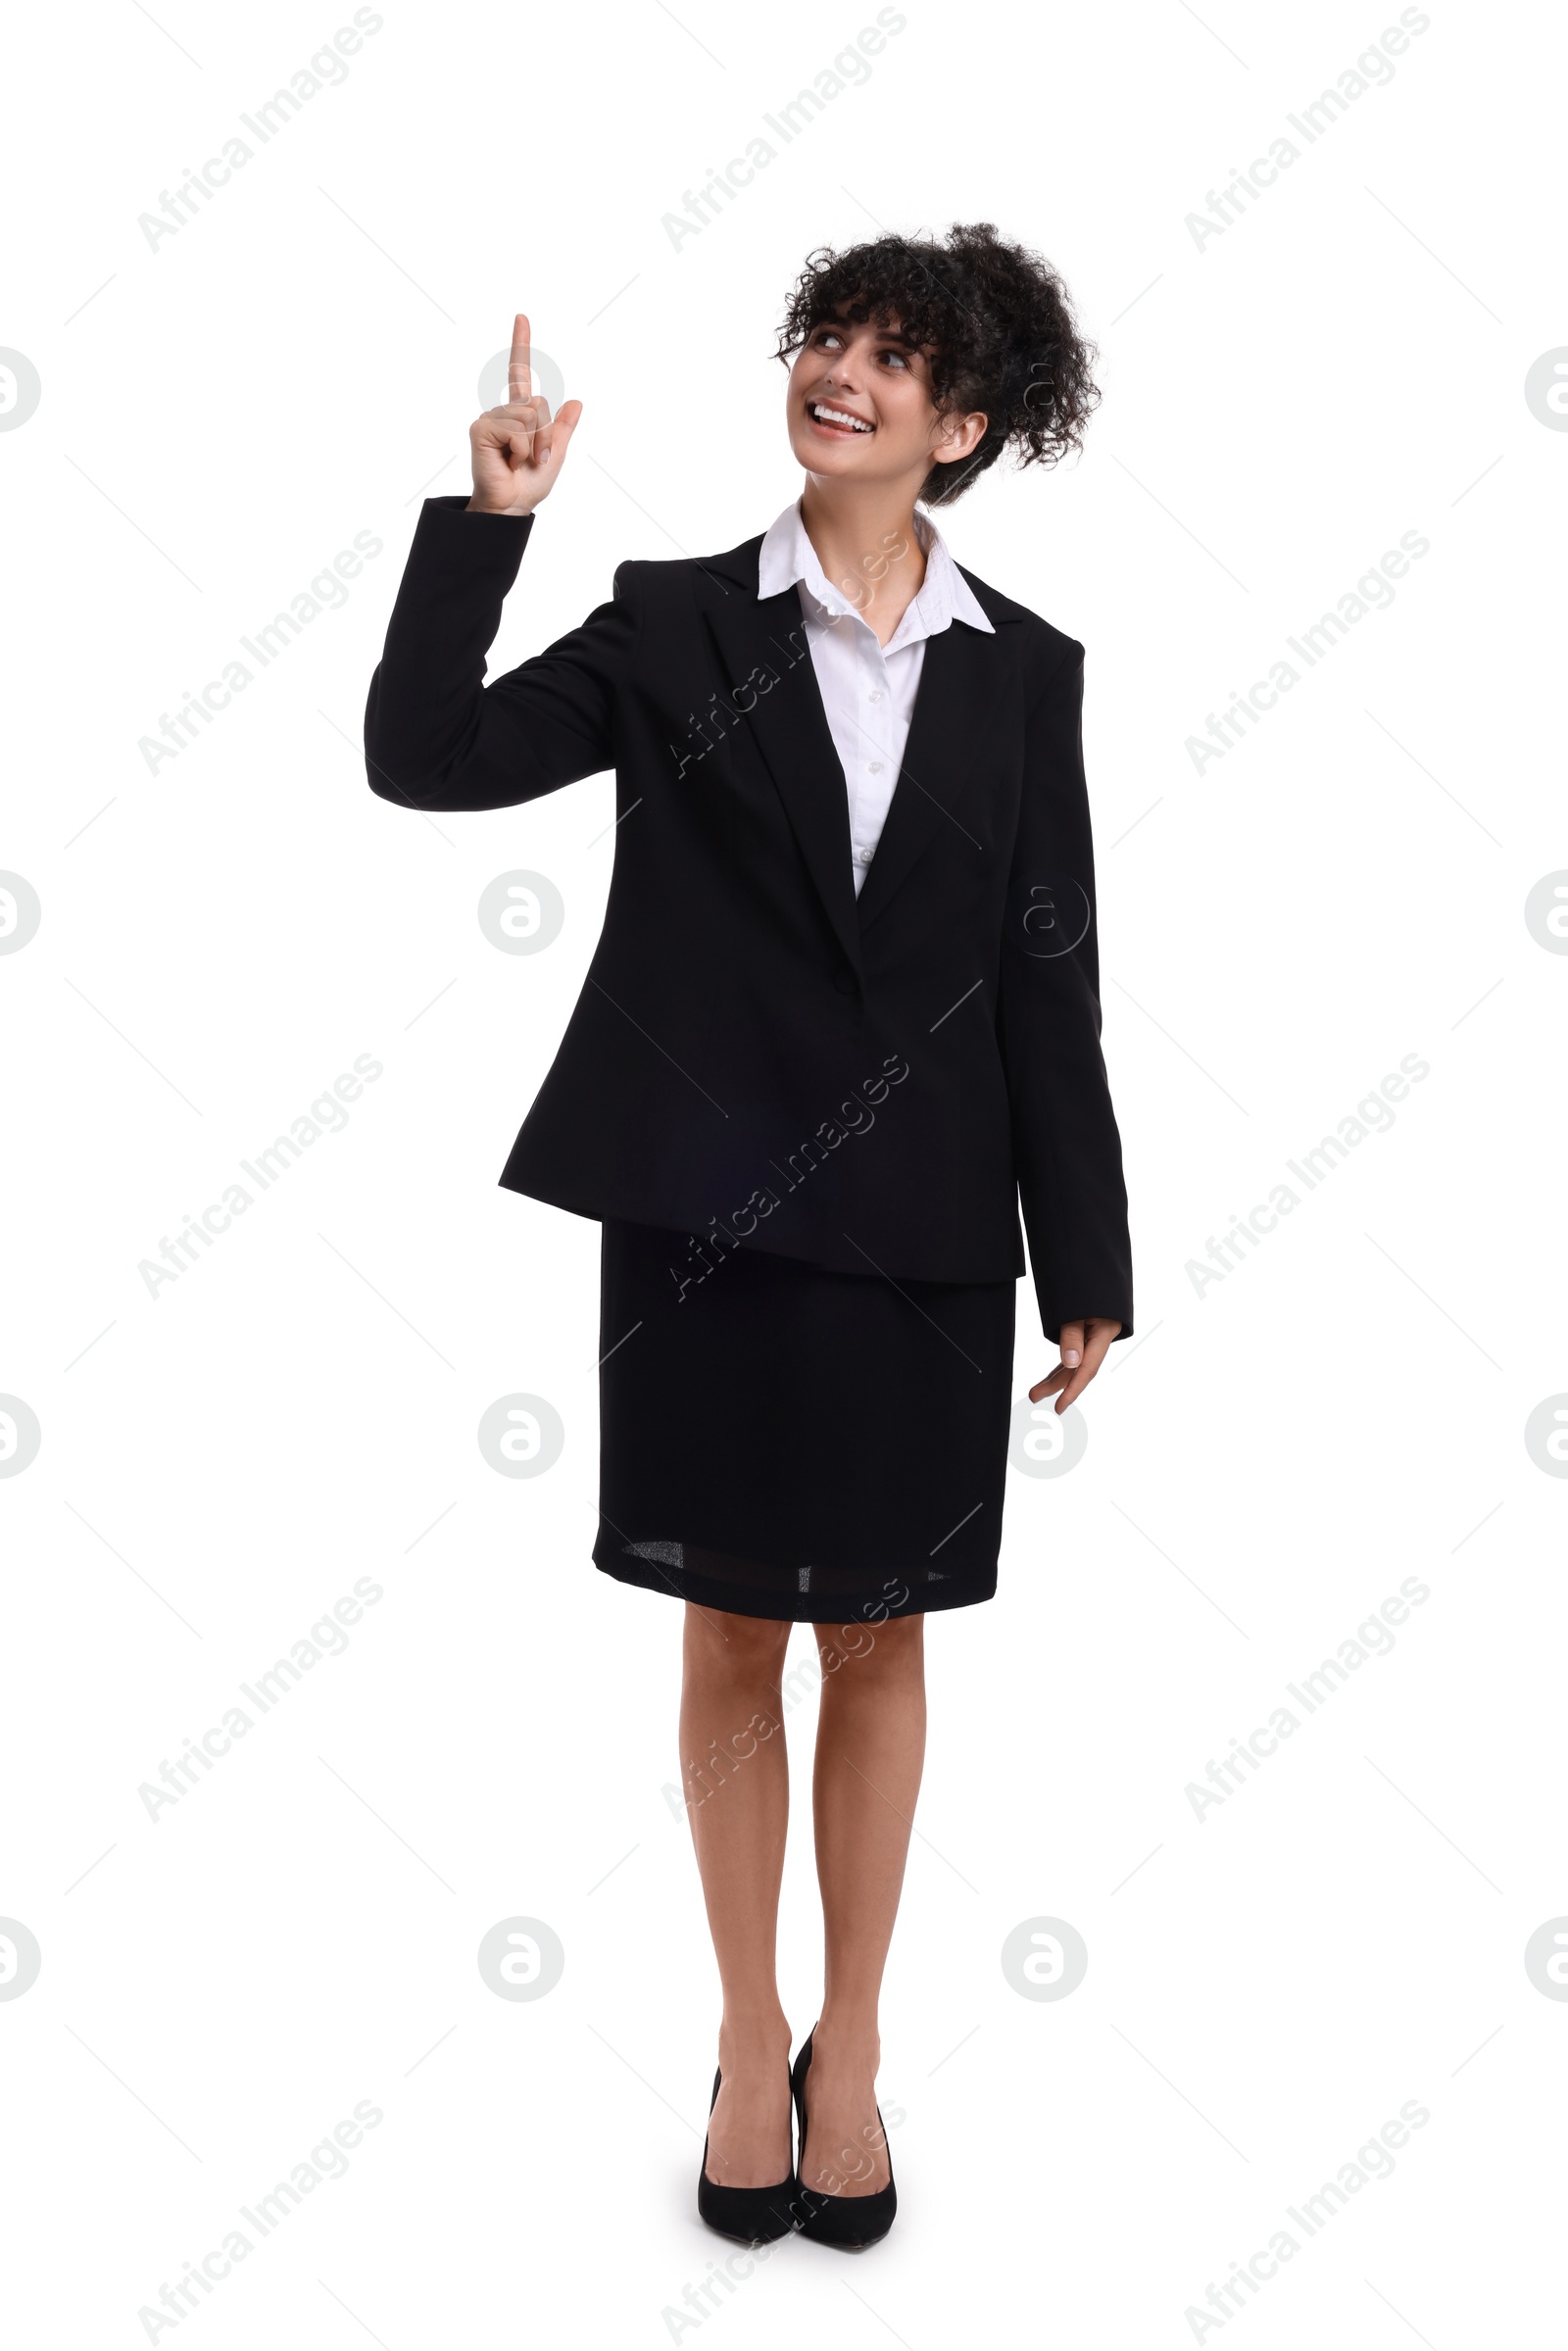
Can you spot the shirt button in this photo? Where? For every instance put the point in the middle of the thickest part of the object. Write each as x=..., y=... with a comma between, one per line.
x=876, y=694
x=876, y=767
x=863, y=856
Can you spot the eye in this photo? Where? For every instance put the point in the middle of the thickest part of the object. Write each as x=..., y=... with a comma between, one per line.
x=897, y=356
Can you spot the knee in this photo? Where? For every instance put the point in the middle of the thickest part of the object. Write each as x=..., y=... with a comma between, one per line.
x=741, y=1648
x=894, y=1650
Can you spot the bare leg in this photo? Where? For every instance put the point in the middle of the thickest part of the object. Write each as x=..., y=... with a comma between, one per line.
x=736, y=1779
x=870, y=1746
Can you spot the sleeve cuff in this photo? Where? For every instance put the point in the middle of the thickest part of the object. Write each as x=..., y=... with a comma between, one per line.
x=452, y=540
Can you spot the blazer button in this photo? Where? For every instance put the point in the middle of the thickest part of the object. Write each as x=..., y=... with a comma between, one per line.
x=844, y=982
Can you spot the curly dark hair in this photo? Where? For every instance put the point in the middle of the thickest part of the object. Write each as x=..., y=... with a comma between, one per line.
x=997, y=320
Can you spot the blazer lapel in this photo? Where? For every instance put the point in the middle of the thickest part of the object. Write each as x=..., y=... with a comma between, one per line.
x=789, y=724
x=934, y=786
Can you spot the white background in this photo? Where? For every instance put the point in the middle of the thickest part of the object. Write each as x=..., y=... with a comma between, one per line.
x=1267, y=1460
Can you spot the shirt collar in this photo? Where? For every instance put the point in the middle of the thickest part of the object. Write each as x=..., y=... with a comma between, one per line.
x=945, y=595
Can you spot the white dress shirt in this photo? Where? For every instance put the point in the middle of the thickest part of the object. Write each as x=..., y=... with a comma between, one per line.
x=867, y=688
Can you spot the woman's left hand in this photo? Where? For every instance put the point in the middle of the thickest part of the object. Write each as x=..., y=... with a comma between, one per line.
x=1084, y=1346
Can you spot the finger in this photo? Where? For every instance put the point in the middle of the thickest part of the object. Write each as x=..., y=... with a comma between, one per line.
x=1101, y=1335
x=533, y=410
x=530, y=432
x=1073, y=1344
x=520, y=376
x=565, y=425
x=528, y=429
x=517, y=419
x=558, y=438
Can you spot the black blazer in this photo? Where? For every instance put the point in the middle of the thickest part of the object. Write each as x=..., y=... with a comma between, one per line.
x=870, y=1084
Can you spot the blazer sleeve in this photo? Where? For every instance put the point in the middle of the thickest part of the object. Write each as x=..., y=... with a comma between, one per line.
x=436, y=736
x=1067, y=1147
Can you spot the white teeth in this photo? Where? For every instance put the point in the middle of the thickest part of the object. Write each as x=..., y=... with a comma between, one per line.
x=837, y=416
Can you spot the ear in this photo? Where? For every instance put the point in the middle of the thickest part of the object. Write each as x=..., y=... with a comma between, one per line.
x=959, y=437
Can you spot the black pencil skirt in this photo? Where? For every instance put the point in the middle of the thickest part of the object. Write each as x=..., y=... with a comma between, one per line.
x=779, y=1440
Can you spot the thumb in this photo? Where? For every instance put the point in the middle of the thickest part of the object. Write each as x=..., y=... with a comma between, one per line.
x=1073, y=1344
x=561, y=431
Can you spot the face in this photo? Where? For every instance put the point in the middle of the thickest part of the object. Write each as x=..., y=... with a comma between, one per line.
x=860, y=408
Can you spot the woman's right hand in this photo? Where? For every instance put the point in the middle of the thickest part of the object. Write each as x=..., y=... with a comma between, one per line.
x=516, y=450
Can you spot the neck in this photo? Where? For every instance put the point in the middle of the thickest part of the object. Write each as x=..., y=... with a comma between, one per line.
x=865, y=540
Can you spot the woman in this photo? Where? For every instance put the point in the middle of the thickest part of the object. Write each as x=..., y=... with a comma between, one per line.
x=842, y=1019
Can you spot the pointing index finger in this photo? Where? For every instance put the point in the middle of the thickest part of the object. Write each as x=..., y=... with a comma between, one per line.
x=519, y=375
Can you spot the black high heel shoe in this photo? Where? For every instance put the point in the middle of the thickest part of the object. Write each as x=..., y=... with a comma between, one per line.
x=849, y=2222
x=758, y=2215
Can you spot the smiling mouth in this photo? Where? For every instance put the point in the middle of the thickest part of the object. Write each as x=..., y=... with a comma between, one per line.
x=837, y=419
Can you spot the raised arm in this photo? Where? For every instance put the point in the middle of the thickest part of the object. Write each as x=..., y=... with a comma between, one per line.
x=436, y=736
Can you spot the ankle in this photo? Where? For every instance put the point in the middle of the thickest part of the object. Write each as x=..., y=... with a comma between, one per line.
x=751, y=2036
x=848, y=2039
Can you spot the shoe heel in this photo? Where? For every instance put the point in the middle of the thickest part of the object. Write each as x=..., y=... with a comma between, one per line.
x=851, y=2222
x=757, y=2216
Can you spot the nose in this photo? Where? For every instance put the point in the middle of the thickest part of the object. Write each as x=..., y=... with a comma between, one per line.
x=842, y=371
